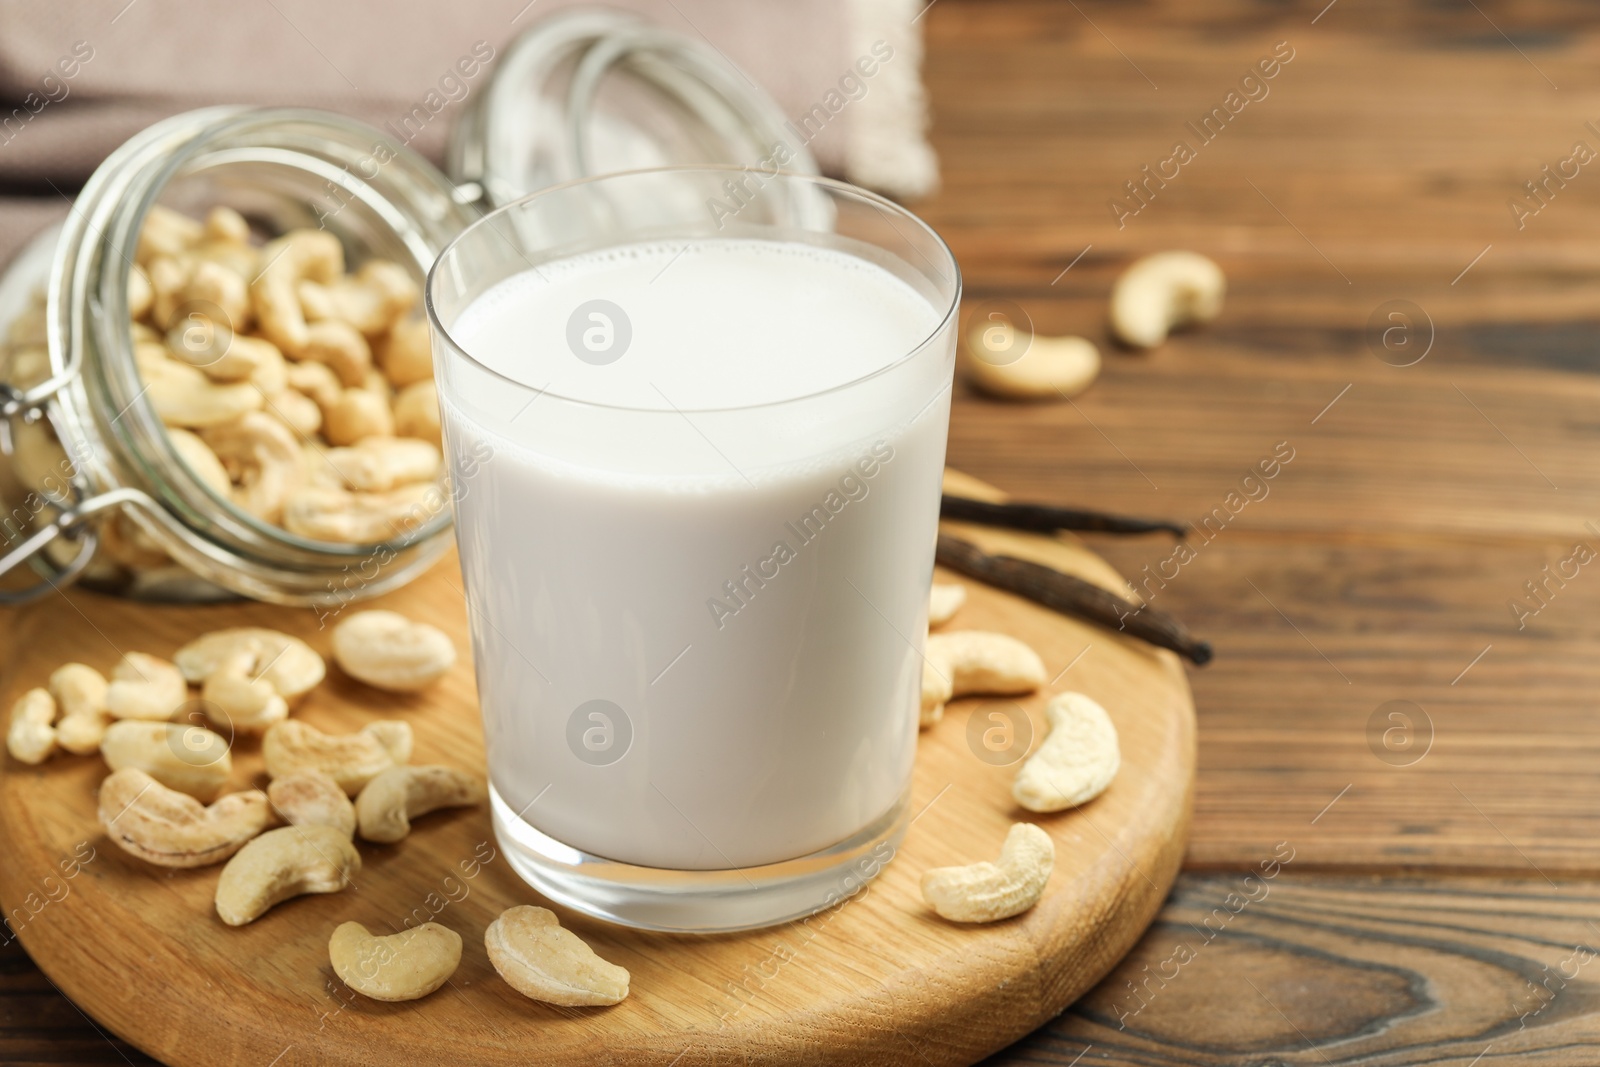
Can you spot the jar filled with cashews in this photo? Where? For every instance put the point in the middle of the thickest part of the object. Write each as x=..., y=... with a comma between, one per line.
x=214, y=378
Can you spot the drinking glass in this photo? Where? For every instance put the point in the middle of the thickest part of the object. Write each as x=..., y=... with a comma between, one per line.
x=688, y=727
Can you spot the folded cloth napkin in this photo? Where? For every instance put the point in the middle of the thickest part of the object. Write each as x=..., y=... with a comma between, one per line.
x=78, y=77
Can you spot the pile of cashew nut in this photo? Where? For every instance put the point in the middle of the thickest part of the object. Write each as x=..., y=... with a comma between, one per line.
x=298, y=392
x=171, y=760
x=1154, y=296
x=1075, y=763
x=302, y=393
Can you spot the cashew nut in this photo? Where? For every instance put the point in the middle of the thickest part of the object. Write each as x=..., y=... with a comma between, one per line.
x=969, y=662
x=416, y=412
x=236, y=697
x=172, y=829
x=1163, y=291
x=389, y=651
x=341, y=347
x=1051, y=368
x=297, y=411
x=167, y=278
x=390, y=801
x=328, y=514
x=201, y=460
x=311, y=798
x=139, y=292
x=354, y=414
x=1077, y=760
x=32, y=736
x=352, y=760
x=184, y=396
x=212, y=283
x=944, y=601
x=145, y=687
x=190, y=759
x=404, y=966
x=370, y=300
x=284, y=863
x=166, y=233
x=406, y=354
x=542, y=961
x=315, y=380
x=986, y=892
x=262, y=454
x=224, y=225
x=374, y=464
x=291, y=666
x=298, y=255
x=80, y=691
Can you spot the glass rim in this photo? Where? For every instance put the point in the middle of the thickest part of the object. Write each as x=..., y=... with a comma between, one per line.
x=882, y=203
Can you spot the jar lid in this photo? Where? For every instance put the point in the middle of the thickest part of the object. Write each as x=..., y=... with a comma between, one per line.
x=593, y=91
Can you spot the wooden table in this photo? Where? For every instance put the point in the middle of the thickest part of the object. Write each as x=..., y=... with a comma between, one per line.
x=1435, y=895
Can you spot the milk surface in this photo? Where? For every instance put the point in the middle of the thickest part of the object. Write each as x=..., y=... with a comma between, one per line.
x=714, y=663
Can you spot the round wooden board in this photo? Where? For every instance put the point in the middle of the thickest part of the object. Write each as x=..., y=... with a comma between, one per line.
x=879, y=979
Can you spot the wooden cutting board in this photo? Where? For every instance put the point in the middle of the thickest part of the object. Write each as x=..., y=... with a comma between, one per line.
x=877, y=980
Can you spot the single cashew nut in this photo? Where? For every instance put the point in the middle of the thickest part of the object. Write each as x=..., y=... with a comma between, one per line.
x=986, y=892
x=1052, y=368
x=389, y=651
x=416, y=412
x=237, y=697
x=291, y=666
x=190, y=759
x=184, y=396
x=1163, y=291
x=296, y=256
x=139, y=292
x=297, y=411
x=145, y=687
x=542, y=961
x=226, y=226
x=214, y=284
x=390, y=801
x=80, y=692
x=374, y=464
x=166, y=233
x=1077, y=760
x=352, y=760
x=311, y=798
x=331, y=514
x=370, y=300
x=404, y=966
x=172, y=829
x=936, y=691
x=341, y=347
x=32, y=737
x=406, y=354
x=355, y=414
x=201, y=460
x=315, y=380
x=284, y=863
x=944, y=601
x=264, y=458
x=970, y=662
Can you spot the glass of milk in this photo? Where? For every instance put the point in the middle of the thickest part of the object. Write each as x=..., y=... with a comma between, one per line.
x=696, y=425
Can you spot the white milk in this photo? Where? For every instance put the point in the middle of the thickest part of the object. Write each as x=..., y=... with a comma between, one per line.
x=751, y=622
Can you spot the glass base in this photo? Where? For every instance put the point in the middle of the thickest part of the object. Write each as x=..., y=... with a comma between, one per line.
x=703, y=902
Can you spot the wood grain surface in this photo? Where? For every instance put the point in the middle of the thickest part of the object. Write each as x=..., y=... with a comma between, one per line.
x=1431, y=912
x=884, y=979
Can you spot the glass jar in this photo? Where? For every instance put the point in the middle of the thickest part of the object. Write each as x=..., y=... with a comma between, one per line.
x=282, y=170
x=91, y=485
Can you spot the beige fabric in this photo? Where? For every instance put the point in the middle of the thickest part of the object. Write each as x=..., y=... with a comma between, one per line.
x=78, y=77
